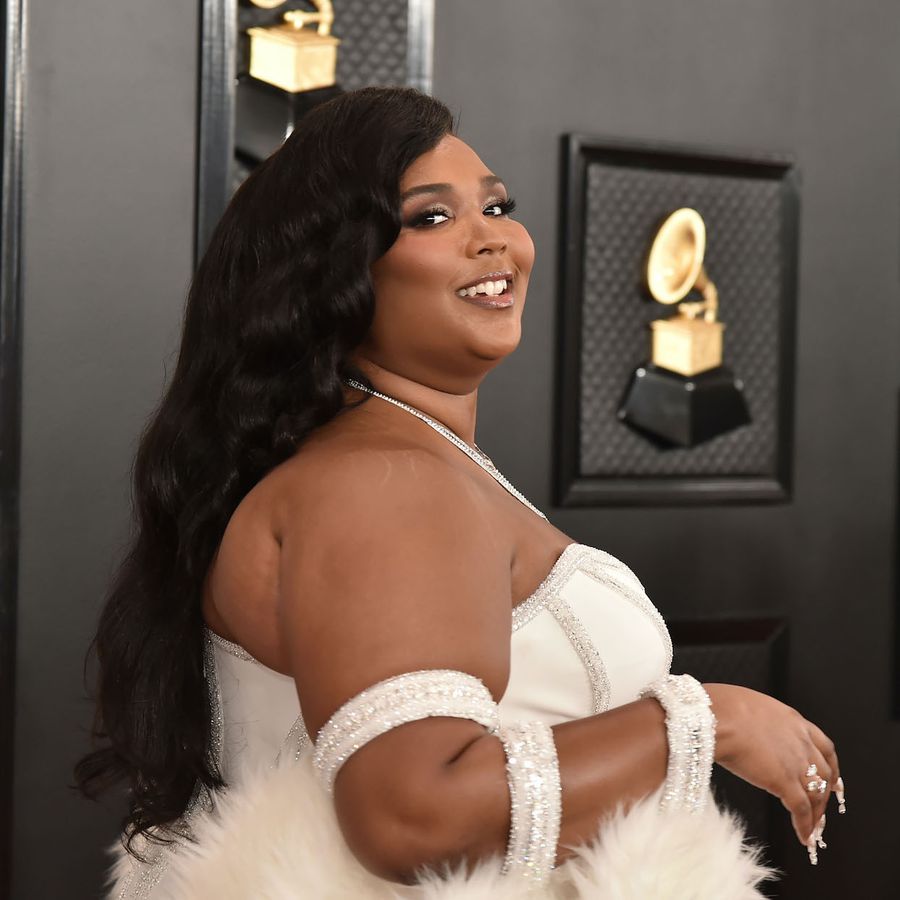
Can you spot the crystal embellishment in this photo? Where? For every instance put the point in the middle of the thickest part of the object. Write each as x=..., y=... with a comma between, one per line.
x=587, y=652
x=613, y=574
x=691, y=728
x=535, y=796
x=396, y=701
x=230, y=647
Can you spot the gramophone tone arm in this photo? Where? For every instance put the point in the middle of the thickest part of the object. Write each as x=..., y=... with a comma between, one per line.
x=710, y=296
x=324, y=16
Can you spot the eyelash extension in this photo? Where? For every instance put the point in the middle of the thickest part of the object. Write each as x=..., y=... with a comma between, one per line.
x=421, y=219
x=507, y=207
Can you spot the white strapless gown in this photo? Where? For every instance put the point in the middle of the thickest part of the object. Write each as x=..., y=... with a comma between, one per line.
x=587, y=640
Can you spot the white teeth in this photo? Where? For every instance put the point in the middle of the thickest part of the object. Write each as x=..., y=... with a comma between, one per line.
x=491, y=288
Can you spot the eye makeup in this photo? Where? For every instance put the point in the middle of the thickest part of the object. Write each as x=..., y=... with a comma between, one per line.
x=425, y=218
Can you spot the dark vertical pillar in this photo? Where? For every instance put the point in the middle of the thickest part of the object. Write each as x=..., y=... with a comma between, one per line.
x=10, y=407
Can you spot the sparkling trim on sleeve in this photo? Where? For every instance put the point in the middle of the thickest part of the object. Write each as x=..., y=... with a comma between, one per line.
x=535, y=800
x=396, y=701
x=691, y=728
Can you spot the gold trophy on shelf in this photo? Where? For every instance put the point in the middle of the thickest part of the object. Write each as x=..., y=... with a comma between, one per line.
x=685, y=395
x=291, y=56
x=289, y=66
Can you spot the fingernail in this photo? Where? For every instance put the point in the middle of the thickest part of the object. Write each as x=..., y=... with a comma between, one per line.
x=839, y=790
x=819, y=832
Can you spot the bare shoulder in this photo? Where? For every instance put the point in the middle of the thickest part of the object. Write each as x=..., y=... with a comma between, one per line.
x=343, y=480
x=388, y=564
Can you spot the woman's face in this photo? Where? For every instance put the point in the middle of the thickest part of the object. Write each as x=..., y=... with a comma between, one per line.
x=443, y=315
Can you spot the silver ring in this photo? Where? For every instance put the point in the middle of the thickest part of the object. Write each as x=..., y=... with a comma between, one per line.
x=820, y=785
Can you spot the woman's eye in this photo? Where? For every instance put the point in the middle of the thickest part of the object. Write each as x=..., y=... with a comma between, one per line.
x=500, y=207
x=430, y=217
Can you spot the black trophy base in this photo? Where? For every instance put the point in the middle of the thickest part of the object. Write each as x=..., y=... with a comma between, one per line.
x=265, y=115
x=682, y=411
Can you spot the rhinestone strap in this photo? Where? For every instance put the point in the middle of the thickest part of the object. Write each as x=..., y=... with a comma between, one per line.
x=535, y=800
x=691, y=728
x=396, y=701
x=478, y=456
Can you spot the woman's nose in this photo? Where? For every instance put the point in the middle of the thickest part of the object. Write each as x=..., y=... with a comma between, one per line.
x=485, y=239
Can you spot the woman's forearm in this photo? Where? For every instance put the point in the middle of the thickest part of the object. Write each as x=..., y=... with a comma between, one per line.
x=606, y=760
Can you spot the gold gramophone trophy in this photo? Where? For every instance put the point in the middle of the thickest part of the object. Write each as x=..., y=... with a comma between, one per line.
x=685, y=395
x=291, y=68
x=291, y=56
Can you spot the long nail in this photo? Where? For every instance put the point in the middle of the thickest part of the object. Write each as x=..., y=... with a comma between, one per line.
x=839, y=790
x=820, y=831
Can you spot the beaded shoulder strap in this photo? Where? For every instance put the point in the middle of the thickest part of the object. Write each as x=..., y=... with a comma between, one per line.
x=482, y=459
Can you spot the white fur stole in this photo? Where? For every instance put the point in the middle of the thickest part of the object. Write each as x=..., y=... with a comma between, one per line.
x=276, y=837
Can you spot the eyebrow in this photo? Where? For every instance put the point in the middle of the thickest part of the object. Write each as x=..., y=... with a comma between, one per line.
x=444, y=187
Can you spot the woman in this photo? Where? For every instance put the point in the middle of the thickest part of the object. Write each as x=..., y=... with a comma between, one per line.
x=315, y=520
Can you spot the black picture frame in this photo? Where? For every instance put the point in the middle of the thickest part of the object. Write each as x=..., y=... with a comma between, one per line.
x=574, y=488
x=10, y=403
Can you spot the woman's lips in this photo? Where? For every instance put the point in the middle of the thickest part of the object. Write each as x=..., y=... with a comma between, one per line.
x=493, y=291
x=501, y=301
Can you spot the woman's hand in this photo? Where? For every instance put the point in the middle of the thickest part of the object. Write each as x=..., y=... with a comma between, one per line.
x=770, y=745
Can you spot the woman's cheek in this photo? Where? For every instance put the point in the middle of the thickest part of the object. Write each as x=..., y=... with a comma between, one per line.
x=524, y=248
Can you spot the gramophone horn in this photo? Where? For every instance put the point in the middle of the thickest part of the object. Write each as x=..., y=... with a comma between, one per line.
x=675, y=262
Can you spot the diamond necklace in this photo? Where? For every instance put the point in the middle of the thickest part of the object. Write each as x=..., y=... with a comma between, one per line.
x=476, y=454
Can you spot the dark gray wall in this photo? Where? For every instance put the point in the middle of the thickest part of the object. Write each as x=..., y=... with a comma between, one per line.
x=108, y=234
x=816, y=79
x=110, y=147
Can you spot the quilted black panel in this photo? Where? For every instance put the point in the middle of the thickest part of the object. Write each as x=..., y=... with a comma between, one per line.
x=743, y=218
x=373, y=42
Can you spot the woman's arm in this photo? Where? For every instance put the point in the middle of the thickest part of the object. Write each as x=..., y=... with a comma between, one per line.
x=397, y=567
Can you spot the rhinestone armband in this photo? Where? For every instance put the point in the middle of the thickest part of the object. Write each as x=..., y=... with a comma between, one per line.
x=396, y=701
x=535, y=800
x=691, y=728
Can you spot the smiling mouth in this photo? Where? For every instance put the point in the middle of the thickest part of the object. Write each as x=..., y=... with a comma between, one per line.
x=494, y=284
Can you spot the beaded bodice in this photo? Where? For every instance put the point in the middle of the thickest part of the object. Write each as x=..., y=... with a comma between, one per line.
x=587, y=640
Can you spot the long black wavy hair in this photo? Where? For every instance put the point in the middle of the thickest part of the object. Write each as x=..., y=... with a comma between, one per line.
x=281, y=297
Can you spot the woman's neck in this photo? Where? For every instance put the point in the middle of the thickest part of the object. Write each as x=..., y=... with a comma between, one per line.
x=456, y=411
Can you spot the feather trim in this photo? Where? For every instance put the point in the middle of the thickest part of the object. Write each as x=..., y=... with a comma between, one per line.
x=276, y=837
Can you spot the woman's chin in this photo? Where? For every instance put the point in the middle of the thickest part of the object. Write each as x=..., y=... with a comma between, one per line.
x=496, y=343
